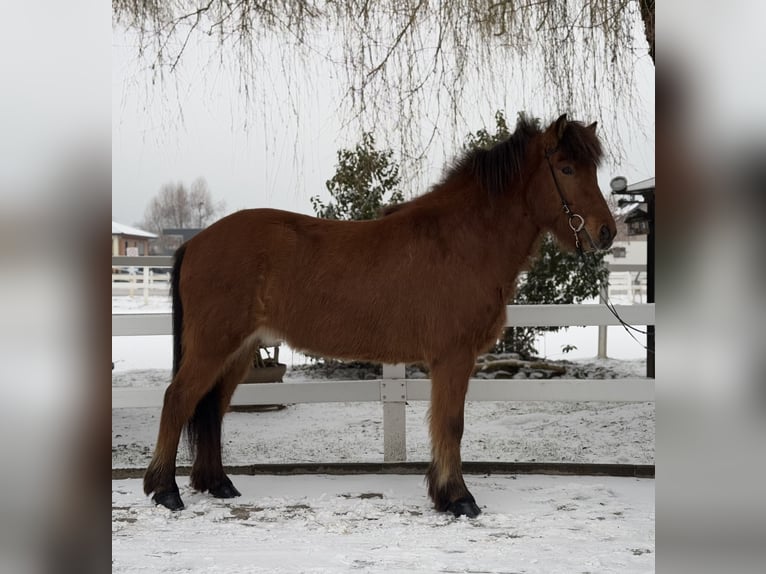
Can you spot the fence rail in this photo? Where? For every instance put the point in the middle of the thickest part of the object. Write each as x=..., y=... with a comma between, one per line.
x=129, y=324
x=167, y=261
x=393, y=390
x=563, y=390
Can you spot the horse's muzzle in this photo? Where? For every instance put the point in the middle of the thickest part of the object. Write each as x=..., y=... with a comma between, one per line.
x=605, y=237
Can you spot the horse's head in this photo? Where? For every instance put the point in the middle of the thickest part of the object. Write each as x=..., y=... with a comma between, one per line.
x=563, y=196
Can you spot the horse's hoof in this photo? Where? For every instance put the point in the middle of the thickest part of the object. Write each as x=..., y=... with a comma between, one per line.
x=224, y=490
x=170, y=499
x=465, y=506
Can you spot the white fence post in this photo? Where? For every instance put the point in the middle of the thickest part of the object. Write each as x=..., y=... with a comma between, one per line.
x=132, y=282
x=393, y=393
x=602, y=296
x=146, y=285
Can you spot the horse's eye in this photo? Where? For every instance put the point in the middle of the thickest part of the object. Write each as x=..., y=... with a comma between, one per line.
x=567, y=170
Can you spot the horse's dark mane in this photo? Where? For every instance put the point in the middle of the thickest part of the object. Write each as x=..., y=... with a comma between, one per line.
x=496, y=167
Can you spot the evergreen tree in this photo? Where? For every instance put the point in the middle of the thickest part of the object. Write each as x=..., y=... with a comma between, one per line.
x=365, y=180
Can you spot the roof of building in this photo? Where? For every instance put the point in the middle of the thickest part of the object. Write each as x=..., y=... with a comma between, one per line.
x=643, y=185
x=120, y=229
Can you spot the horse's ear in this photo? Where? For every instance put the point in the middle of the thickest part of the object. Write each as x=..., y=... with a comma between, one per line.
x=561, y=125
x=592, y=127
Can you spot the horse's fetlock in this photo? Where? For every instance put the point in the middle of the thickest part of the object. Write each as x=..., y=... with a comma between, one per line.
x=153, y=478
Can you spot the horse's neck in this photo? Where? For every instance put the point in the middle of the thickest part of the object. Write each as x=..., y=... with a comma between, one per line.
x=513, y=237
x=498, y=231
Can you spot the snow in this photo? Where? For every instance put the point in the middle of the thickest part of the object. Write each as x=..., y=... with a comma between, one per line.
x=385, y=523
x=353, y=432
x=121, y=229
x=358, y=524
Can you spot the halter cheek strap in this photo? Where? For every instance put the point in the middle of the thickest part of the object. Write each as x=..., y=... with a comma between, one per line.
x=576, y=221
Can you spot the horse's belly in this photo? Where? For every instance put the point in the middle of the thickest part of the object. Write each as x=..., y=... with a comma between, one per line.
x=356, y=342
x=390, y=335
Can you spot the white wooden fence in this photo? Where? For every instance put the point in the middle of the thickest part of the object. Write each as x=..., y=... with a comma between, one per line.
x=393, y=390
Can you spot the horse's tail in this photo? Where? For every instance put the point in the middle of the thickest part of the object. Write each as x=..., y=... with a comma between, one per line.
x=178, y=310
x=202, y=422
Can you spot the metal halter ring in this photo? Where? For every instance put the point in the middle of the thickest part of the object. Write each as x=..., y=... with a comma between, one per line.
x=579, y=227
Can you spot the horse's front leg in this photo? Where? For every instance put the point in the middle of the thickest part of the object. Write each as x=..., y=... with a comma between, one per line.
x=449, y=383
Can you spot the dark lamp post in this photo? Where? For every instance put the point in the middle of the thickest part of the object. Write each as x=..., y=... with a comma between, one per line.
x=641, y=222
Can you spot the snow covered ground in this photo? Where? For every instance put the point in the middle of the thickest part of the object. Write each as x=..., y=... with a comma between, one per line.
x=364, y=524
x=353, y=432
x=329, y=524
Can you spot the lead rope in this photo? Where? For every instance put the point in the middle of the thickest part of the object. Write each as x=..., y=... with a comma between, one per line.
x=625, y=325
x=576, y=229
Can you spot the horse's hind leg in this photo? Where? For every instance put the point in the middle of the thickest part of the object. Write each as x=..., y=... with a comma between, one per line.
x=192, y=382
x=204, y=430
x=446, y=487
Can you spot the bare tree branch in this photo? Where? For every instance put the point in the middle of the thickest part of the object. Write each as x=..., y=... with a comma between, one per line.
x=404, y=58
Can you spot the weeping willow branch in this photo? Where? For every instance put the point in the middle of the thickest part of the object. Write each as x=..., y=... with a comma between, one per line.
x=415, y=59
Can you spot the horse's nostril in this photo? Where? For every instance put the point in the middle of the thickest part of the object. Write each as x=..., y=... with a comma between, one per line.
x=605, y=235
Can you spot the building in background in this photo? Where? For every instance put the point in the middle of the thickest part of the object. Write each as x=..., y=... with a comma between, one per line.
x=630, y=244
x=131, y=241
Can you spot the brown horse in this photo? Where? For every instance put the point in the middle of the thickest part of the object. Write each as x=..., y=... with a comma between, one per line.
x=427, y=282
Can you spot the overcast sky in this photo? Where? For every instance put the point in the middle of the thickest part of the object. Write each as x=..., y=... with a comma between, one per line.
x=278, y=151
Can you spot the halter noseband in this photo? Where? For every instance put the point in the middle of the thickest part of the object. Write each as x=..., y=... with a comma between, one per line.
x=576, y=221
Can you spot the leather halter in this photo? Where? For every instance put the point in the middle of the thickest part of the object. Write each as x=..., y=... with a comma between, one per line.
x=576, y=221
